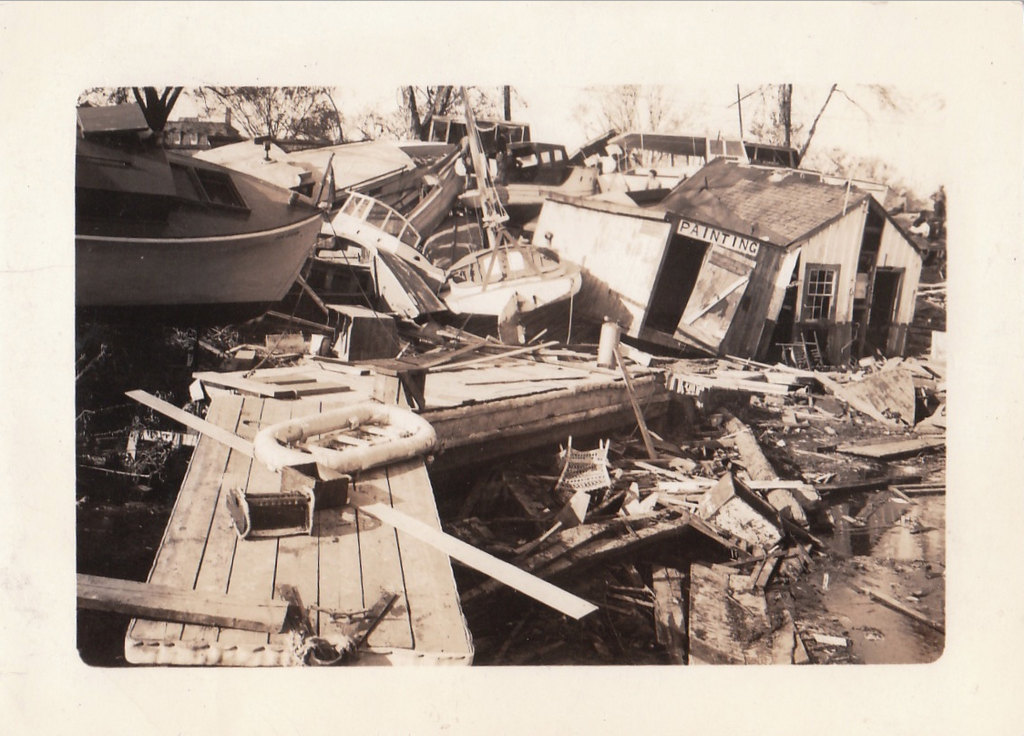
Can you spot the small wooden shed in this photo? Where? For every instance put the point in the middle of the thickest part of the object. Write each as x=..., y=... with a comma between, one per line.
x=743, y=260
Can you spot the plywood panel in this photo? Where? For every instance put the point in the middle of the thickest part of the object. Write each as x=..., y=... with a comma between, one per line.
x=621, y=256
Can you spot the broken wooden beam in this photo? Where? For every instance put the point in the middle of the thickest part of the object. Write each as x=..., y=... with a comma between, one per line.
x=512, y=576
x=892, y=450
x=899, y=607
x=166, y=603
x=192, y=421
x=648, y=444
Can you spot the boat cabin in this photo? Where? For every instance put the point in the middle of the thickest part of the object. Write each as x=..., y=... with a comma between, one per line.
x=749, y=261
x=452, y=129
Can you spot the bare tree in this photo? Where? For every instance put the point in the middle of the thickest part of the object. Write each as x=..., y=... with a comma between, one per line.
x=279, y=112
x=420, y=105
x=103, y=96
x=630, y=108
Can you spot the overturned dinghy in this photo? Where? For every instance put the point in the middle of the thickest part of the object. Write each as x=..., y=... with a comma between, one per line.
x=327, y=439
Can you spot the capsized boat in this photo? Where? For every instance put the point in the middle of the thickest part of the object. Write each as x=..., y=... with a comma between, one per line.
x=158, y=229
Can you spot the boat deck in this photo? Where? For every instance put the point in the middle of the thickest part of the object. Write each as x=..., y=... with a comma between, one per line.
x=345, y=565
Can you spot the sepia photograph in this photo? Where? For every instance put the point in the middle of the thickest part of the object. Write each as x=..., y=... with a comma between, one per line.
x=625, y=351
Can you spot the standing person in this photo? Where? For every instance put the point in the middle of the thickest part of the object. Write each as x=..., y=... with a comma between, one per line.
x=939, y=212
x=501, y=157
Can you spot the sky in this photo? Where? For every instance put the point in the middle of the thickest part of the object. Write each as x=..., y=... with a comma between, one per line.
x=906, y=135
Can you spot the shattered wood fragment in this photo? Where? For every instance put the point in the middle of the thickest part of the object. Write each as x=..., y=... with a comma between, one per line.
x=670, y=612
x=728, y=624
x=740, y=513
x=887, y=397
x=899, y=607
x=893, y=450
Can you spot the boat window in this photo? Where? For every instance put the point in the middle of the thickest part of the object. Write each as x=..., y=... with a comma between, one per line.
x=185, y=185
x=518, y=265
x=219, y=188
x=375, y=215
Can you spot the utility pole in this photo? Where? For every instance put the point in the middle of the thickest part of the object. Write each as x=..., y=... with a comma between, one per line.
x=507, y=94
x=786, y=110
x=739, y=108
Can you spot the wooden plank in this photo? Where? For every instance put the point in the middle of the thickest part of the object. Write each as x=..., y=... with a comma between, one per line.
x=215, y=568
x=522, y=581
x=670, y=612
x=493, y=358
x=166, y=603
x=381, y=562
x=295, y=554
x=245, y=385
x=651, y=452
x=255, y=560
x=892, y=450
x=897, y=606
x=181, y=549
x=434, y=608
x=191, y=420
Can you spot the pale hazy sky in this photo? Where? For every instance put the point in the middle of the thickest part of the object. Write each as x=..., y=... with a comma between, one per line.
x=909, y=138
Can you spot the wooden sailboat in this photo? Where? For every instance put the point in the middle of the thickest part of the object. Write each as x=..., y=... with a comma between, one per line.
x=509, y=279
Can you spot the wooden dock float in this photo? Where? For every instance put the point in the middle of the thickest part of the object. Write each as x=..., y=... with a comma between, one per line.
x=532, y=406
x=345, y=566
x=483, y=410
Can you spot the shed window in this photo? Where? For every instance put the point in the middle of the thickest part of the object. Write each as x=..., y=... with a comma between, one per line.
x=819, y=292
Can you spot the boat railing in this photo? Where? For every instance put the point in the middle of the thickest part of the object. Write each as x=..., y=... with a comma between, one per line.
x=384, y=218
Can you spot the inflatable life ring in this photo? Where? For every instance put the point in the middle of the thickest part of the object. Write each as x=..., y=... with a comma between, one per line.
x=276, y=446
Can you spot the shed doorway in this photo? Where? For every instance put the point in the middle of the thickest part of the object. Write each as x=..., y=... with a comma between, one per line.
x=678, y=275
x=885, y=295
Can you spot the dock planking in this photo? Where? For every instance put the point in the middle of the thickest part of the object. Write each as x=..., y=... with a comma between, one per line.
x=345, y=566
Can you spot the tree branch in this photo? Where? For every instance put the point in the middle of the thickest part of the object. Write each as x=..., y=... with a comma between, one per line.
x=814, y=125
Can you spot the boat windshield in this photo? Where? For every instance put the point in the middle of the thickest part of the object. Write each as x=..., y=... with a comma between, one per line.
x=382, y=217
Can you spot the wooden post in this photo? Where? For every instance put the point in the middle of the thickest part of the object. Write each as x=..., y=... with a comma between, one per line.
x=636, y=406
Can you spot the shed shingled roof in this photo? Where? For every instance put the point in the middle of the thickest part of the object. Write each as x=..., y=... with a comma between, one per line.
x=779, y=206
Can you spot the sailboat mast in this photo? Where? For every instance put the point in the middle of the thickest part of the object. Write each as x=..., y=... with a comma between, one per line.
x=493, y=214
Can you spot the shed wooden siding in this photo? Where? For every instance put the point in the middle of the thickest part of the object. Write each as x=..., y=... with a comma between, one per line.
x=895, y=252
x=753, y=334
x=754, y=311
x=620, y=255
x=838, y=244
